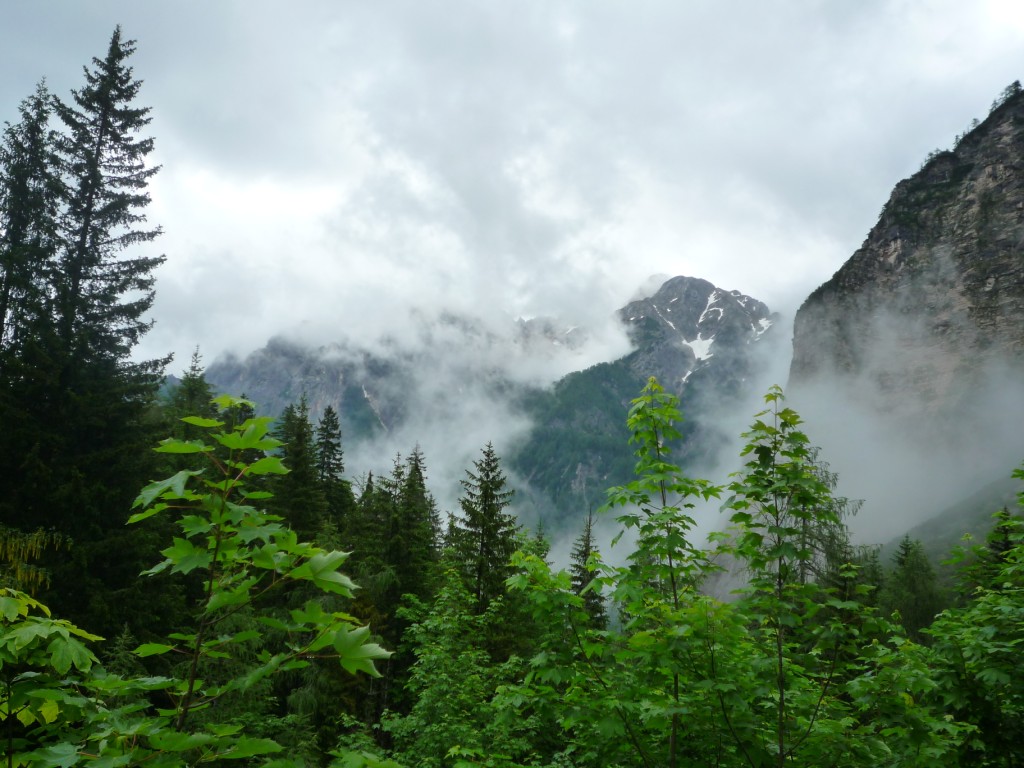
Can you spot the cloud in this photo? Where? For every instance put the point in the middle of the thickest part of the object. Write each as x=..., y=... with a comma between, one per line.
x=328, y=165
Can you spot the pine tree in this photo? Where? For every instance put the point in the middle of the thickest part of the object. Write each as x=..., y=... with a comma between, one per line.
x=298, y=496
x=101, y=296
x=411, y=543
x=193, y=396
x=991, y=559
x=76, y=408
x=330, y=467
x=30, y=193
x=582, y=577
x=487, y=534
x=365, y=528
x=912, y=589
x=330, y=463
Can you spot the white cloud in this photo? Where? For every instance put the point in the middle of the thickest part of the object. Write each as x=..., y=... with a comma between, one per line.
x=329, y=164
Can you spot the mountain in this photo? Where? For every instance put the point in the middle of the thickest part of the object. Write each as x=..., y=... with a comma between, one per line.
x=909, y=361
x=935, y=295
x=455, y=383
x=704, y=344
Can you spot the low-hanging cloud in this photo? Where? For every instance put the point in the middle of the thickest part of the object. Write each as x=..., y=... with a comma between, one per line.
x=921, y=425
x=530, y=159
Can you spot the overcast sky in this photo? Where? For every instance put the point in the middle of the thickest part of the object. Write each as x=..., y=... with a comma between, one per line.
x=327, y=165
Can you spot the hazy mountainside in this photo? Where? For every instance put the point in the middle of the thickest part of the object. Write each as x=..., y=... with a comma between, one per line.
x=936, y=292
x=704, y=344
x=909, y=360
x=352, y=380
x=459, y=382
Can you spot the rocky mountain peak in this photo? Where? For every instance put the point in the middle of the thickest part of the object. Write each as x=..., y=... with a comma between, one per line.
x=936, y=292
x=686, y=322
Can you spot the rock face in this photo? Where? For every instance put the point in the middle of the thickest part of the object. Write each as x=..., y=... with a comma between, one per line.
x=686, y=323
x=935, y=295
x=704, y=344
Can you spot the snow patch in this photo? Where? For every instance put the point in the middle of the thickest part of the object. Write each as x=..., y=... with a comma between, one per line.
x=701, y=347
x=709, y=307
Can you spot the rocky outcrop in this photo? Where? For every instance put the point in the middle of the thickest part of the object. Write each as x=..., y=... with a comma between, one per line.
x=935, y=295
x=687, y=322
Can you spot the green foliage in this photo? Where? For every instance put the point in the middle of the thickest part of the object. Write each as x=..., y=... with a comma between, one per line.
x=40, y=658
x=243, y=555
x=330, y=466
x=977, y=653
x=486, y=534
x=790, y=673
x=453, y=682
x=299, y=495
x=823, y=659
x=911, y=589
x=584, y=560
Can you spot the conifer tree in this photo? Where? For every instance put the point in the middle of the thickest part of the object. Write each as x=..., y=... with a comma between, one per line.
x=330, y=467
x=76, y=407
x=990, y=559
x=298, y=497
x=411, y=543
x=583, y=550
x=101, y=295
x=487, y=533
x=193, y=396
x=30, y=193
x=364, y=530
x=330, y=463
x=912, y=589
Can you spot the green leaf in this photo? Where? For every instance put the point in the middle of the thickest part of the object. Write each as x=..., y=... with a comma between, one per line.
x=67, y=651
x=174, y=741
x=170, y=445
x=322, y=570
x=186, y=557
x=247, y=747
x=199, y=421
x=152, y=649
x=257, y=495
x=355, y=654
x=11, y=608
x=175, y=484
x=268, y=465
x=57, y=755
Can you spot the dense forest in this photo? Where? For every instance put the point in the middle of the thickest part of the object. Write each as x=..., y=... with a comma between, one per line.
x=258, y=605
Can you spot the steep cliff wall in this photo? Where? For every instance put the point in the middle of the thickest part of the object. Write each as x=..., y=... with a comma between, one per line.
x=935, y=295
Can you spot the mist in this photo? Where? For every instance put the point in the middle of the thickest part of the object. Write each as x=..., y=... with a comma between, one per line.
x=917, y=430
x=459, y=378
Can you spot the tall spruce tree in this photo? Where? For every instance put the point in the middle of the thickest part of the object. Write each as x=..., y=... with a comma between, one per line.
x=330, y=462
x=912, y=589
x=77, y=408
x=330, y=467
x=582, y=576
x=30, y=194
x=298, y=497
x=486, y=535
x=102, y=295
x=411, y=544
